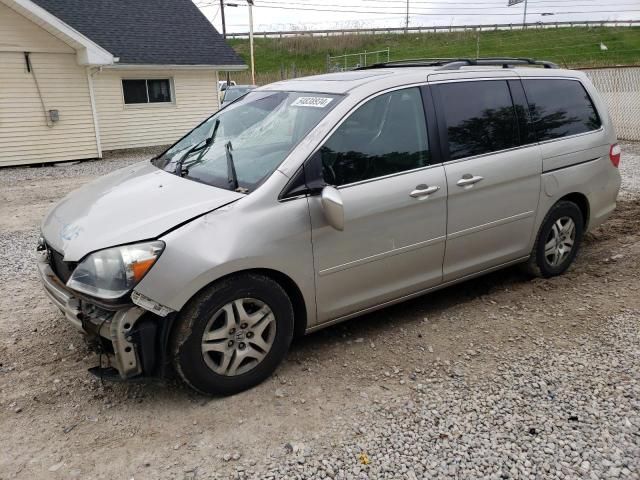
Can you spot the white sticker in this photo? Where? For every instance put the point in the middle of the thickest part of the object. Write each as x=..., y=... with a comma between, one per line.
x=316, y=102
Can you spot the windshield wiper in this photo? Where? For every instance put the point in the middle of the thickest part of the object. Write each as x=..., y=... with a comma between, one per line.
x=232, y=176
x=180, y=170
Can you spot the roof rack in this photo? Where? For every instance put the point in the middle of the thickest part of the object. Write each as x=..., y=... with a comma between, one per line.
x=457, y=63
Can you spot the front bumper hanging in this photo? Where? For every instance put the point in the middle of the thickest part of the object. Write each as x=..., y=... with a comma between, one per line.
x=127, y=329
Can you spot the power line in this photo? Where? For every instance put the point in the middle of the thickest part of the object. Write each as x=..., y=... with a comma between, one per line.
x=333, y=10
x=398, y=5
x=499, y=3
x=312, y=7
x=390, y=17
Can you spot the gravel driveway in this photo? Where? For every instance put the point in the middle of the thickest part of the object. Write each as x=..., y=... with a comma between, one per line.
x=500, y=377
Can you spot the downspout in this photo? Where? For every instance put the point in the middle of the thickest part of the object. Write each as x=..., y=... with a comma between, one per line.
x=94, y=112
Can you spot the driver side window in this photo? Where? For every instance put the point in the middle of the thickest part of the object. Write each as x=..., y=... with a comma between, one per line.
x=386, y=135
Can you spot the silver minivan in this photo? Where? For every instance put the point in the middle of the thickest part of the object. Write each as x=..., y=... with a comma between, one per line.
x=314, y=200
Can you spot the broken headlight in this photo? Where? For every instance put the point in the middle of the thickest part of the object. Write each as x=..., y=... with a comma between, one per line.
x=111, y=273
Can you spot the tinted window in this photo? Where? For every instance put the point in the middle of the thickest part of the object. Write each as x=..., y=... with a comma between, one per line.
x=560, y=108
x=135, y=91
x=480, y=117
x=386, y=135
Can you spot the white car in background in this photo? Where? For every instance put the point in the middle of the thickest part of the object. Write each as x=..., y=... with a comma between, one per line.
x=235, y=92
x=222, y=86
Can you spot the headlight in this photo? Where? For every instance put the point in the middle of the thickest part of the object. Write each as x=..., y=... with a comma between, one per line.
x=110, y=273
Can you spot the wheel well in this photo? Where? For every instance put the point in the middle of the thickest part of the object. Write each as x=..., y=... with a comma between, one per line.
x=297, y=300
x=583, y=204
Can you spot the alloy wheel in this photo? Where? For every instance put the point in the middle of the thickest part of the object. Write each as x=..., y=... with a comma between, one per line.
x=238, y=336
x=560, y=241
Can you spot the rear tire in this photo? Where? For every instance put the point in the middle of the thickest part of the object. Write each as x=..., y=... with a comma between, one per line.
x=558, y=240
x=233, y=335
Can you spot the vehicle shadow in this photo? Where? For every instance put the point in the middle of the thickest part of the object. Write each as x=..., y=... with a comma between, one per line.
x=383, y=322
x=388, y=319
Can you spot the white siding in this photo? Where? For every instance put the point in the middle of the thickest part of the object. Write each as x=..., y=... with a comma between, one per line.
x=24, y=134
x=126, y=126
x=17, y=34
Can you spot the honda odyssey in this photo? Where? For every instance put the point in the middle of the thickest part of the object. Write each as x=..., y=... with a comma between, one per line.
x=310, y=201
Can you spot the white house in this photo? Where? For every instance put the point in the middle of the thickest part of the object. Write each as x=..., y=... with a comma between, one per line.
x=79, y=77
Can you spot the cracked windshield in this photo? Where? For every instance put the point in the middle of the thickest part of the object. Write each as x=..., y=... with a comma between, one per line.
x=241, y=145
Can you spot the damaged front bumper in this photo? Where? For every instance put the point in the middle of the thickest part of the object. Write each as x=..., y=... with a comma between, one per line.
x=127, y=334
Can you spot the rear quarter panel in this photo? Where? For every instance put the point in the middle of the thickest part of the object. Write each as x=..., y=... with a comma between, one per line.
x=598, y=181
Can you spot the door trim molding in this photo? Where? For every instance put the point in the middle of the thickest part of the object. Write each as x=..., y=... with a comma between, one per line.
x=412, y=295
x=486, y=226
x=380, y=256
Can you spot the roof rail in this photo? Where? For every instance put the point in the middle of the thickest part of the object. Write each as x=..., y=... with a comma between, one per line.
x=410, y=62
x=457, y=63
x=505, y=62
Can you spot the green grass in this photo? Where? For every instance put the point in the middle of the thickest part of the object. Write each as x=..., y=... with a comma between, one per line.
x=570, y=47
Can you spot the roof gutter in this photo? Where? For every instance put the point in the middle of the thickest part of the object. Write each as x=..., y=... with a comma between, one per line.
x=132, y=66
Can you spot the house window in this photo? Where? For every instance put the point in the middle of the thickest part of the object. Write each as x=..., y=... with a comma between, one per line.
x=146, y=91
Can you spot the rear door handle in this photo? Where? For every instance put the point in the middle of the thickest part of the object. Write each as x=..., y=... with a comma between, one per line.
x=423, y=191
x=468, y=179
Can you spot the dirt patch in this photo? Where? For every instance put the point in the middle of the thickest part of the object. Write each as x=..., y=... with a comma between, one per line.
x=624, y=223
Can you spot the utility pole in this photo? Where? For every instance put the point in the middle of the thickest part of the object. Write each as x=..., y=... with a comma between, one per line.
x=406, y=23
x=253, y=65
x=224, y=25
x=511, y=3
x=224, y=32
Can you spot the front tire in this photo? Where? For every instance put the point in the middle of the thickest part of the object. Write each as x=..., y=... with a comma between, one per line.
x=233, y=335
x=558, y=240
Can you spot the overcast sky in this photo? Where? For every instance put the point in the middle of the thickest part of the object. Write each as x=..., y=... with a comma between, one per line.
x=324, y=14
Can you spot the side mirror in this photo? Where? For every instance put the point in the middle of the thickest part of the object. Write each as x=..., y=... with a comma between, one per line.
x=332, y=206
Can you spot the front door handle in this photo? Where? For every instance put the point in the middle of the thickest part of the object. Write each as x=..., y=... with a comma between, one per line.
x=423, y=191
x=468, y=179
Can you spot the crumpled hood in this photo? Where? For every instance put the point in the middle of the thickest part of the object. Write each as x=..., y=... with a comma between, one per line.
x=135, y=203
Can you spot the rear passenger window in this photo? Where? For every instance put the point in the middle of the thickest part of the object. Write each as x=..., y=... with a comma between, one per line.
x=386, y=135
x=480, y=117
x=560, y=108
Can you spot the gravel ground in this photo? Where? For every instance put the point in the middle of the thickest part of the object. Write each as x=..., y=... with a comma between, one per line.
x=567, y=413
x=630, y=169
x=500, y=377
x=91, y=168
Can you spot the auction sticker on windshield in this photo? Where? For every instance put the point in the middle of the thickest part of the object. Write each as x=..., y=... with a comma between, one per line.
x=317, y=102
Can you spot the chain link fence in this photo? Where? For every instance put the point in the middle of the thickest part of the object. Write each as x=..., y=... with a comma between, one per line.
x=342, y=63
x=620, y=88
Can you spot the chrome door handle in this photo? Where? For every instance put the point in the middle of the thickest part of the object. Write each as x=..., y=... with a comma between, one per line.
x=467, y=180
x=423, y=191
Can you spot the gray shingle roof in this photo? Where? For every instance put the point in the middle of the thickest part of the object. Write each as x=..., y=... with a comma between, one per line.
x=147, y=32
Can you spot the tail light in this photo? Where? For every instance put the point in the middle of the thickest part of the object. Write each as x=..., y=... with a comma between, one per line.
x=614, y=154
